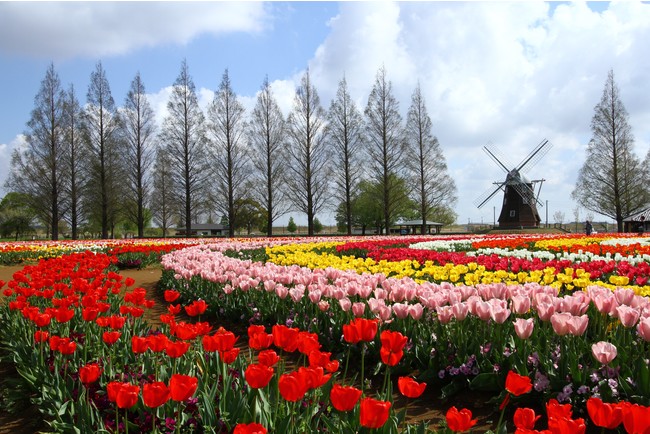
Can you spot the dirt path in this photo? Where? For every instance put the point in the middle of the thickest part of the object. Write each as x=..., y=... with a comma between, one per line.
x=428, y=408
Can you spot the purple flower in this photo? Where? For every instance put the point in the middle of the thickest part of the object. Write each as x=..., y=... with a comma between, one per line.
x=441, y=374
x=541, y=382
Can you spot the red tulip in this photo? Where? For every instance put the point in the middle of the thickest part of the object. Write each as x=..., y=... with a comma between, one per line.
x=129, y=281
x=155, y=394
x=40, y=336
x=557, y=410
x=198, y=307
x=258, y=339
x=360, y=329
x=229, y=356
x=636, y=418
x=292, y=386
x=525, y=418
x=518, y=384
x=268, y=358
x=308, y=342
x=157, y=343
x=67, y=346
x=138, y=344
x=459, y=421
x=89, y=373
x=604, y=415
x=111, y=337
x=257, y=375
x=373, y=413
x=174, y=309
x=344, y=398
x=222, y=340
x=176, y=349
x=182, y=386
x=410, y=388
x=171, y=295
x=249, y=428
x=42, y=319
x=285, y=338
x=127, y=395
x=392, y=344
x=565, y=425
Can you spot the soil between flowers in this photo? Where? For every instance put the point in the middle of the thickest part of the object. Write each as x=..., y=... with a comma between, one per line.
x=429, y=407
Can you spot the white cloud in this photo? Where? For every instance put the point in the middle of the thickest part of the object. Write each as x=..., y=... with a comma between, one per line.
x=95, y=29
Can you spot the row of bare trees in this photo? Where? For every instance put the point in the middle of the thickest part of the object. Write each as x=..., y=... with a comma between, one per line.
x=101, y=163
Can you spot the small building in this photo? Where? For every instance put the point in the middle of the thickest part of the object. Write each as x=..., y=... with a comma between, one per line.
x=203, y=230
x=412, y=227
x=639, y=222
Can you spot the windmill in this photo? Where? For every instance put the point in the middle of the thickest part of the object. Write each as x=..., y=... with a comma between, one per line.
x=520, y=200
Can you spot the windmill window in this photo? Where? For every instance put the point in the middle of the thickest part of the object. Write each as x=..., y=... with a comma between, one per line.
x=512, y=213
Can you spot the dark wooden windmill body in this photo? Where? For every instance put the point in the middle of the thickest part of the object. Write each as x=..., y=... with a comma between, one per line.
x=520, y=200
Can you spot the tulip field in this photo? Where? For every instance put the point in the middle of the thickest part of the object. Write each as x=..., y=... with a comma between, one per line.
x=336, y=334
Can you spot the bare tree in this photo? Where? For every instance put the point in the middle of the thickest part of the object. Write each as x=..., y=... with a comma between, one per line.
x=266, y=134
x=102, y=154
x=73, y=164
x=558, y=217
x=308, y=172
x=433, y=188
x=138, y=129
x=345, y=137
x=612, y=179
x=227, y=128
x=183, y=135
x=38, y=171
x=386, y=146
x=163, y=204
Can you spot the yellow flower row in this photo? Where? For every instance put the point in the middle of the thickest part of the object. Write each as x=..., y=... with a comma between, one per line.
x=312, y=256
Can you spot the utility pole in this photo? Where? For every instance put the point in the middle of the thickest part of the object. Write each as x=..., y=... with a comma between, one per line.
x=547, y=213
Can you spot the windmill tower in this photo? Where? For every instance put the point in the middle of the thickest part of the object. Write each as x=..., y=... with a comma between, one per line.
x=520, y=201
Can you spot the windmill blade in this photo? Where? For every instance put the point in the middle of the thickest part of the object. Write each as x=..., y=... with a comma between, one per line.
x=488, y=194
x=495, y=159
x=525, y=192
x=536, y=154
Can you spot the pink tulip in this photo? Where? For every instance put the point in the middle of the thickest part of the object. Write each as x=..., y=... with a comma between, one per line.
x=269, y=285
x=545, y=311
x=520, y=304
x=643, y=328
x=624, y=296
x=415, y=311
x=315, y=295
x=460, y=311
x=444, y=314
x=323, y=306
x=605, y=303
x=281, y=291
x=358, y=309
x=297, y=293
x=385, y=313
x=483, y=310
x=627, y=315
x=560, y=323
x=401, y=310
x=524, y=327
x=578, y=325
x=604, y=352
x=345, y=304
x=499, y=312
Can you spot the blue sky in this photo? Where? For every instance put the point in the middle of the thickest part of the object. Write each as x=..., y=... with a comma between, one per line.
x=505, y=73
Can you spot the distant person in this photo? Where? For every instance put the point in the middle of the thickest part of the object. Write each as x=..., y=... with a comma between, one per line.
x=588, y=228
x=641, y=228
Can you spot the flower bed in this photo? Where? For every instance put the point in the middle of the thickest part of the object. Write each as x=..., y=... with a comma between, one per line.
x=314, y=312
